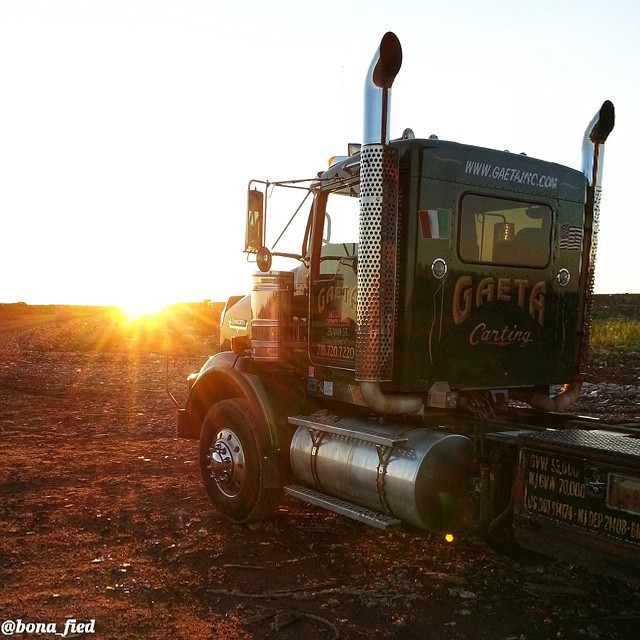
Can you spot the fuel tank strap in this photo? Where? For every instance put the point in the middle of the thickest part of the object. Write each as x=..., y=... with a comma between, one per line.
x=384, y=453
x=316, y=438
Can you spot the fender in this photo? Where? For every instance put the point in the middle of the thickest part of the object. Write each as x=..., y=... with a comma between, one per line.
x=229, y=375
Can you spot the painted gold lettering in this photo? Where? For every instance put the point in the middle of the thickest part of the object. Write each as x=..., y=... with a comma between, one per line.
x=499, y=337
x=504, y=289
x=462, y=299
x=501, y=289
x=537, y=301
x=521, y=286
x=485, y=291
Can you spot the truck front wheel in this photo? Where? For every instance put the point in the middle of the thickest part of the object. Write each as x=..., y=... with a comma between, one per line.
x=231, y=463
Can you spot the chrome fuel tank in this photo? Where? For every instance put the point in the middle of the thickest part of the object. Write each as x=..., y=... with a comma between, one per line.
x=422, y=477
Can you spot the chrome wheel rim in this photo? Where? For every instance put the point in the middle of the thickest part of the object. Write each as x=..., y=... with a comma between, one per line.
x=226, y=463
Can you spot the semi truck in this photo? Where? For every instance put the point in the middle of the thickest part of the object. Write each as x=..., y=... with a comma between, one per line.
x=416, y=364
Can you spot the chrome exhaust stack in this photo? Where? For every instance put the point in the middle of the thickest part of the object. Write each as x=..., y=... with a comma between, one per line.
x=378, y=238
x=377, y=90
x=595, y=136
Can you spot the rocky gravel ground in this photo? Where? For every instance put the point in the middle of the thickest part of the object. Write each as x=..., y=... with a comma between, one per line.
x=610, y=400
x=611, y=388
x=103, y=520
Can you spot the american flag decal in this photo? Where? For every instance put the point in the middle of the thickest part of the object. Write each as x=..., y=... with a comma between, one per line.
x=570, y=237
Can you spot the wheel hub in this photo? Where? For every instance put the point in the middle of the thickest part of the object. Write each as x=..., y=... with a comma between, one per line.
x=227, y=463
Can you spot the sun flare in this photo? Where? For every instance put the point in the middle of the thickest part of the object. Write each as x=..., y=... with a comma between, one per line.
x=140, y=309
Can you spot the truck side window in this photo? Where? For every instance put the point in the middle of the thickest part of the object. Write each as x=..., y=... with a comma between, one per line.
x=340, y=232
x=504, y=232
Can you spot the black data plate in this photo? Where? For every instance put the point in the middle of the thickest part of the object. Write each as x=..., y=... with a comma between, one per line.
x=580, y=494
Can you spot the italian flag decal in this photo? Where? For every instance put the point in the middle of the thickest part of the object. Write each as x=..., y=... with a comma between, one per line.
x=434, y=223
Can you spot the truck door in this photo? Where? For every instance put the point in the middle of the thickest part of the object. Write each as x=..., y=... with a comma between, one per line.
x=333, y=280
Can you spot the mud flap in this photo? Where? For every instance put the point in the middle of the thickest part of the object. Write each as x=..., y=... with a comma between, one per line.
x=577, y=498
x=186, y=428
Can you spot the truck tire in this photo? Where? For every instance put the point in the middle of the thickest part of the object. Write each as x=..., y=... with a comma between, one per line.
x=231, y=463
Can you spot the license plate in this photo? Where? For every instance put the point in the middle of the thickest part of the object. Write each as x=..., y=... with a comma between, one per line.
x=624, y=493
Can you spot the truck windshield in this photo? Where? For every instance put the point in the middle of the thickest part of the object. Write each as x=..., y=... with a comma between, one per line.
x=504, y=232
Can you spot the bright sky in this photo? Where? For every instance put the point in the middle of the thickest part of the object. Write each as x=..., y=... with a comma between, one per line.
x=129, y=129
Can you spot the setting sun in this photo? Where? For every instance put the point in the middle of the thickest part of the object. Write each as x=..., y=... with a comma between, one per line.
x=140, y=308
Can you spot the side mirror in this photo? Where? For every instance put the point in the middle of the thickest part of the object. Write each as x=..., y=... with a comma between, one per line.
x=255, y=221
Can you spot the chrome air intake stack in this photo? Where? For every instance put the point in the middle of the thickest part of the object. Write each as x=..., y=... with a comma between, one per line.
x=378, y=237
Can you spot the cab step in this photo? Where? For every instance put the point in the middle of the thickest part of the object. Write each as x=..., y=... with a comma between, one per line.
x=353, y=511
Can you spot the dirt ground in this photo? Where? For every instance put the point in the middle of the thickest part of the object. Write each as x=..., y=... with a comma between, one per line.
x=103, y=518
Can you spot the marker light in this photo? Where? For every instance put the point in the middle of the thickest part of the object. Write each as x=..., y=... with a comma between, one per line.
x=449, y=537
x=563, y=277
x=335, y=159
x=439, y=268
